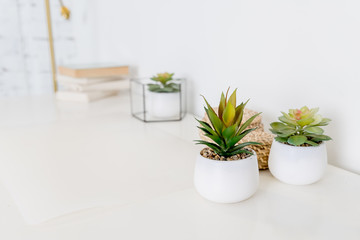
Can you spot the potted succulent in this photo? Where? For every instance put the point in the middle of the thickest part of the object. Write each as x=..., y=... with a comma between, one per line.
x=225, y=171
x=164, y=96
x=298, y=153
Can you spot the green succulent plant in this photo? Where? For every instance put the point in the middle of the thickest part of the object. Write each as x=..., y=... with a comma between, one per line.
x=163, y=83
x=226, y=128
x=300, y=126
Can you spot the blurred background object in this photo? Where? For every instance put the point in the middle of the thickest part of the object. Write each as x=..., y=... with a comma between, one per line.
x=286, y=54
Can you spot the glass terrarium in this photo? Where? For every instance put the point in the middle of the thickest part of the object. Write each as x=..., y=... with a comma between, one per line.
x=152, y=102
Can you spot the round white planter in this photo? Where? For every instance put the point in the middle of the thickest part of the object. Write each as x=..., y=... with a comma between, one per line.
x=164, y=105
x=226, y=181
x=297, y=165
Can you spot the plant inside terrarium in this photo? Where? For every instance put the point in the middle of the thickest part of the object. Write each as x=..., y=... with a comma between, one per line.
x=164, y=83
x=226, y=128
x=300, y=127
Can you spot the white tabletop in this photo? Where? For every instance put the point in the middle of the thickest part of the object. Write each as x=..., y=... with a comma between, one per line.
x=147, y=195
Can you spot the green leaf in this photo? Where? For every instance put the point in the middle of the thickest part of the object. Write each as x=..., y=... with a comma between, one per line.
x=286, y=132
x=317, y=119
x=207, y=104
x=221, y=106
x=305, y=121
x=174, y=86
x=247, y=123
x=288, y=121
x=153, y=87
x=204, y=130
x=232, y=153
x=311, y=143
x=315, y=130
x=216, y=139
x=215, y=121
x=237, y=138
x=213, y=146
x=278, y=126
x=324, y=122
x=242, y=145
x=297, y=140
x=319, y=138
x=229, y=114
x=281, y=139
x=239, y=113
x=228, y=133
x=232, y=98
x=206, y=126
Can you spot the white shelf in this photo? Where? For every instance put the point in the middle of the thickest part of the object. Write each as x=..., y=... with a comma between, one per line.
x=141, y=193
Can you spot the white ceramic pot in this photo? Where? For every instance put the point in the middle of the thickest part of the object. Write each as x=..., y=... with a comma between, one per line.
x=226, y=181
x=297, y=165
x=164, y=105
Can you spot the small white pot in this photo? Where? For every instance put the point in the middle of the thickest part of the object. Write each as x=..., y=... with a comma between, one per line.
x=164, y=105
x=297, y=165
x=226, y=181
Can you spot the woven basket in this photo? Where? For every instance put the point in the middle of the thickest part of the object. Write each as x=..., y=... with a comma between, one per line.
x=258, y=135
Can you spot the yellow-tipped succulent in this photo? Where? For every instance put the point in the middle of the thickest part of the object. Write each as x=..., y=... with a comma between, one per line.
x=300, y=126
x=226, y=128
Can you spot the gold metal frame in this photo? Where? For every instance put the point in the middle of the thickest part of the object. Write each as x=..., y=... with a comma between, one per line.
x=51, y=44
x=66, y=14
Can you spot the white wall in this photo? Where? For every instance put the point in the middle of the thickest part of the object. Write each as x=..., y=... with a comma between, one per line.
x=24, y=48
x=281, y=53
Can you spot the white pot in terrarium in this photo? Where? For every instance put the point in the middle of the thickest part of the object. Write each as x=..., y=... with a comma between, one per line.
x=163, y=97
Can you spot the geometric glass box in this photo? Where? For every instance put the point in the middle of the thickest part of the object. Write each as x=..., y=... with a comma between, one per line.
x=151, y=106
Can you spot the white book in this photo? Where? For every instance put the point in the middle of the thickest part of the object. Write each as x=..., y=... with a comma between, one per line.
x=84, y=81
x=82, y=96
x=115, y=85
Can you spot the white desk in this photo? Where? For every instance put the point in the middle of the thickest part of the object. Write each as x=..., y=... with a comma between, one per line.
x=155, y=198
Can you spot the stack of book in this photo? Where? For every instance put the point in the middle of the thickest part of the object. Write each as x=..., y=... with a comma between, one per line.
x=91, y=82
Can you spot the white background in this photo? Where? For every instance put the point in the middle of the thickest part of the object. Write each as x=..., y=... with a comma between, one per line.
x=281, y=53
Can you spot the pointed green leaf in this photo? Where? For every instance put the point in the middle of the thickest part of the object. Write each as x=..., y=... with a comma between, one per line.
x=242, y=145
x=215, y=121
x=247, y=123
x=297, y=140
x=229, y=114
x=213, y=146
x=228, y=133
x=239, y=152
x=216, y=139
x=206, y=126
x=226, y=97
x=221, y=106
x=232, y=98
x=239, y=113
x=204, y=130
x=236, y=139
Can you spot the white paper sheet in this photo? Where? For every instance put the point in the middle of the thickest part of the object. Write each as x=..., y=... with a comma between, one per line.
x=57, y=168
